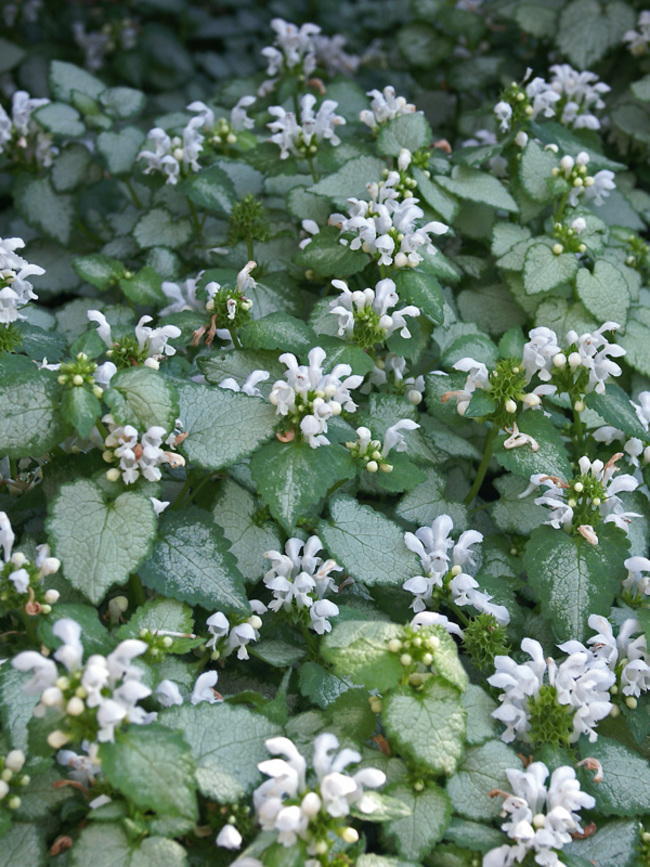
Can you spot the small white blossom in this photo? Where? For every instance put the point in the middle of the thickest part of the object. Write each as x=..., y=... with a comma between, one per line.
x=302, y=139
x=204, y=688
x=359, y=306
x=638, y=40
x=139, y=454
x=15, y=289
x=385, y=106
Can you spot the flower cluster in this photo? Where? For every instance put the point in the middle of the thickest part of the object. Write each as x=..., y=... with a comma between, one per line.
x=309, y=396
x=389, y=370
x=315, y=814
x=385, y=226
x=174, y=156
x=20, y=135
x=626, y=656
x=638, y=40
x=571, y=96
x=372, y=453
x=148, y=346
x=364, y=315
x=587, y=500
x=140, y=454
x=21, y=579
x=92, y=698
x=582, y=365
x=636, y=585
x=635, y=449
x=303, y=139
x=540, y=820
x=385, y=106
x=543, y=702
x=222, y=132
x=297, y=51
x=15, y=289
x=444, y=577
x=98, y=44
x=228, y=634
x=300, y=579
x=505, y=385
x=227, y=306
x=583, y=185
x=12, y=780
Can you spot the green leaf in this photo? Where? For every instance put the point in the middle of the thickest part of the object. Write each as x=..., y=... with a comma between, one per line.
x=512, y=513
x=30, y=422
x=144, y=287
x=641, y=89
x=479, y=706
x=551, y=458
x=423, y=290
x=51, y=213
x=117, y=850
x=321, y=686
x=359, y=650
x=482, y=769
x=474, y=185
x=422, y=45
x=279, y=654
x=535, y=172
x=544, y=270
x=120, y=149
x=416, y=834
x=340, y=352
x=24, y=844
x=615, y=845
x=506, y=236
x=480, y=404
x=292, y=478
x=410, y=131
x=60, y=119
x=65, y=78
x=404, y=476
x=227, y=743
x=236, y=512
x=191, y=563
x=437, y=198
x=211, y=189
x=156, y=615
x=153, y=768
x=601, y=26
x=10, y=55
x=222, y=426
x=422, y=505
x=95, y=637
x=16, y=706
x=625, y=787
x=427, y=726
x=102, y=271
x=99, y=543
x=472, y=835
x=159, y=227
x=350, y=180
x=572, y=579
x=278, y=331
x=367, y=544
x=122, y=102
x=615, y=408
x=41, y=796
x=604, y=292
x=81, y=409
x=142, y=397
x=328, y=257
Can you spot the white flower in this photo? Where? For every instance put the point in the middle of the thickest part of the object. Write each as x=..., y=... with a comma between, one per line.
x=250, y=386
x=320, y=612
x=503, y=113
x=293, y=48
x=636, y=583
x=168, y=693
x=477, y=377
x=601, y=187
x=361, y=305
x=83, y=769
x=229, y=837
x=139, y=455
x=302, y=139
x=310, y=397
x=385, y=106
x=581, y=681
x=173, y=156
x=338, y=790
x=15, y=289
x=543, y=98
x=540, y=820
x=204, y=688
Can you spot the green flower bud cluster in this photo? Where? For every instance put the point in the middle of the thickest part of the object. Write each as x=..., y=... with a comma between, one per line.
x=417, y=650
x=369, y=452
x=483, y=639
x=550, y=721
x=159, y=645
x=248, y=221
x=12, y=780
x=21, y=585
x=79, y=372
x=507, y=387
x=637, y=253
x=127, y=353
x=568, y=238
x=10, y=336
x=585, y=495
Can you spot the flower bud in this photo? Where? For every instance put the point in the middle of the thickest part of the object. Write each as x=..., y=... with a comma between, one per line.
x=75, y=707
x=394, y=645
x=349, y=835
x=372, y=466
x=15, y=760
x=255, y=621
x=557, y=249
x=406, y=659
x=14, y=802
x=414, y=397
x=7, y=775
x=631, y=702
x=559, y=360
x=531, y=400
x=57, y=739
x=510, y=406
x=400, y=260
x=113, y=475
x=579, y=406
x=311, y=804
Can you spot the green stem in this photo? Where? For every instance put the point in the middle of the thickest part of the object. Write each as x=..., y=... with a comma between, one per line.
x=134, y=195
x=196, y=489
x=459, y=613
x=137, y=590
x=101, y=428
x=236, y=341
x=311, y=168
x=30, y=627
x=195, y=217
x=482, y=469
x=578, y=437
x=336, y=486
x=181, y=494
x=249, y=249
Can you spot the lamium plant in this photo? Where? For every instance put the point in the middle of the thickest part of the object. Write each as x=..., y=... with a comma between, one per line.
x=324, y=434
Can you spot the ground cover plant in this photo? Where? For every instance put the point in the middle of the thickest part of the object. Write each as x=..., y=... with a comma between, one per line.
x=325, y=434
